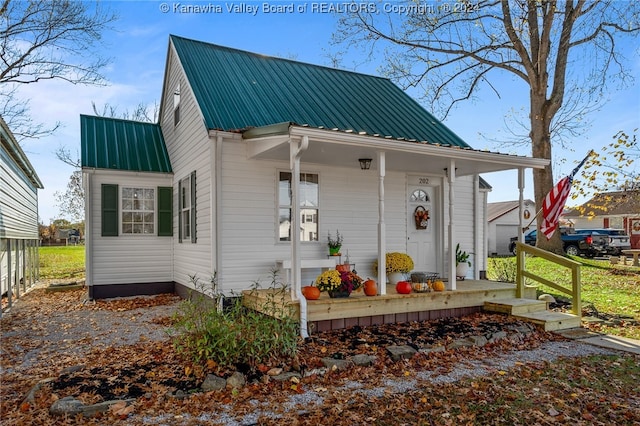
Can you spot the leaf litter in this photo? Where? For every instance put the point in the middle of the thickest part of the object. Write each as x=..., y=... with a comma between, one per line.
x=120, y=349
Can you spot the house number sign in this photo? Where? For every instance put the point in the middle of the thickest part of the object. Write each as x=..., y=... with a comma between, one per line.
x=423, y=181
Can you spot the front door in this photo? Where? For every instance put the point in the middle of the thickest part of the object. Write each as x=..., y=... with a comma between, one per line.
x=423, y=223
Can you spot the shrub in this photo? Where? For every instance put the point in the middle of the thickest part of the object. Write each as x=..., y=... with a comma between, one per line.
x=502, y=269
x=209, y=334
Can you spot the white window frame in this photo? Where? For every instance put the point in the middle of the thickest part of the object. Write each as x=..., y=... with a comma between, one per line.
x=131, y=216
x=303, y=218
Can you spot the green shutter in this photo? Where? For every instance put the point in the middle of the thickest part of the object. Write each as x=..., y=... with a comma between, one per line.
x=180, y=206
x=193, y=207
x=109, y=210
x=165, y=211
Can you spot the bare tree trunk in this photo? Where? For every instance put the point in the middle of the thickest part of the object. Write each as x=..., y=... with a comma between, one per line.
x=542, y=178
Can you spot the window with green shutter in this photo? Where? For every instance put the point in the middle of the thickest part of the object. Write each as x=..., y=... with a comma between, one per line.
x=165, y=211
x=109, y=210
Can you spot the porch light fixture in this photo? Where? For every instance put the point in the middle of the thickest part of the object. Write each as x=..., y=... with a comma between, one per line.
x=365, y=163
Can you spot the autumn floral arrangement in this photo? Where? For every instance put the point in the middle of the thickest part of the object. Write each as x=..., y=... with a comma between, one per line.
x=335, y=281
x=396, y=262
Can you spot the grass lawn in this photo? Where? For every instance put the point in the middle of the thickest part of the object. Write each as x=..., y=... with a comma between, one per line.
x=58, y=263
x=607, y=289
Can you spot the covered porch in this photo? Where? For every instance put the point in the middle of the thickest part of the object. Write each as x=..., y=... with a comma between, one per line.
x=327, y=314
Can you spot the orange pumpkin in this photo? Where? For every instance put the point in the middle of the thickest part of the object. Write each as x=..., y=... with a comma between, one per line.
x=370, y=287
x=311, y=292
x=438, y=286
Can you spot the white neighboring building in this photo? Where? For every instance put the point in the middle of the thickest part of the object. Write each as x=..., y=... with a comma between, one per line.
x=503, y=220
x=19, y=186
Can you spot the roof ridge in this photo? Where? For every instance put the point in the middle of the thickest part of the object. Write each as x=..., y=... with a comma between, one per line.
x=276, y=58
x=119, y=119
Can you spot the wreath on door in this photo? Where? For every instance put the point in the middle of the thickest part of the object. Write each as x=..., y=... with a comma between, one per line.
x=421, y=216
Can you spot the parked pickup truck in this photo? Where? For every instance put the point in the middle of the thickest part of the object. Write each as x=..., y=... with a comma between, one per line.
x=618, y=239
x=589, y=244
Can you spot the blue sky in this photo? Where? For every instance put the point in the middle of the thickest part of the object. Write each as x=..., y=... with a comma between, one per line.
x=138, y=49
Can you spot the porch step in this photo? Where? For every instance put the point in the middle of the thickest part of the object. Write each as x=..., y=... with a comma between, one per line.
x=534, y=311
x=552, y=321
x=515, y=306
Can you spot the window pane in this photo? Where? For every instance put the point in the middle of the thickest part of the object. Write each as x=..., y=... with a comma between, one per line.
x=127, y=217
x=127, y=192
x=285, y=224
x=148, y=228
x=284, y=189
x=148, y=205
x=309, y=228
x=127, y=228
x=186, y=220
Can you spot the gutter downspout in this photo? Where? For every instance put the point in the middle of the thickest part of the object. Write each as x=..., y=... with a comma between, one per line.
x=217, y=211
x=382, y=229
x=295, y=152
x=451, y=179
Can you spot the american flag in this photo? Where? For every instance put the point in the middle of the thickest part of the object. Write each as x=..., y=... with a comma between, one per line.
x=555, y=200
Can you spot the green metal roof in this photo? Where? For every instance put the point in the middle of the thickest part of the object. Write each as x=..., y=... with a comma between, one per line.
x=238, y=90
x=111, y=143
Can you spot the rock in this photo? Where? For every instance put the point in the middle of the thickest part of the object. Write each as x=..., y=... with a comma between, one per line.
x=102, y=407
x=236, y=380
x=429, y=349
x=67, y=406
x=498, y=335
x=401, y=352
x=213, y=383
x=547, y=298
x=460, y=343
x=287, y=376
x=72, y=369
x=363, y=360
x=478, y=340
x=274, y=371
x=336, y=364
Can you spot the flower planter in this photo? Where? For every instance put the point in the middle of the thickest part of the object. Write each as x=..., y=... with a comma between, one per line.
x=461, y=270
x=334, y=251
x=394, y=277
x=338, y=294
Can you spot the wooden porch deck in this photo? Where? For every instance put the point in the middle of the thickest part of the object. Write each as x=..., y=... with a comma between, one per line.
x=327, y=314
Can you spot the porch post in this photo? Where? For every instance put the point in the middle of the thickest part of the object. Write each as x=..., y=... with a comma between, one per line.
x=521, y=204
x=451, y=179
x=296, y=149
x=382, y=230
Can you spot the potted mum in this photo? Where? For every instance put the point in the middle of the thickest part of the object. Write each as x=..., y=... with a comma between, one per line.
x=398, y=265
x=338, y=284
x=334, y=243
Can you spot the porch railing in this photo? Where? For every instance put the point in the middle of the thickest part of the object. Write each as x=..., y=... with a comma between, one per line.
x=521, y=273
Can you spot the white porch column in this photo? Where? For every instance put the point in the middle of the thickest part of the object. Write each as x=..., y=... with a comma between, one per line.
x=451, y=179
x=295, y=151
x=382, y=230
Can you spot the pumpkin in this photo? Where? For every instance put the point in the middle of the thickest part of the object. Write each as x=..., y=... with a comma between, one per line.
x=311, y=292
x=438, y=285
x=370, y=287
x=403, y=287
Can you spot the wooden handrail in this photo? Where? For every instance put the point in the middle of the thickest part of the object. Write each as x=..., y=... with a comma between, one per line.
x=522, y=273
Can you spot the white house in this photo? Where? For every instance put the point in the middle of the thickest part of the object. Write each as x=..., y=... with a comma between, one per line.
x=19, y=186
x=249, y=148
x=504, y=220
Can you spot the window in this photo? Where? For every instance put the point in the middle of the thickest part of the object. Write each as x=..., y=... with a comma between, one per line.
x=187, y=208
x=138, y=210
x=176, y=105
x=308, y=206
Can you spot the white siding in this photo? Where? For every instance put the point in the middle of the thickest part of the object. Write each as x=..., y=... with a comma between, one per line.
x=348, y=201
x=18, y=201
x=190, y=149
x=125, y=259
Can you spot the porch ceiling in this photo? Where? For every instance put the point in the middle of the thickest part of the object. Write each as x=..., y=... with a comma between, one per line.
x=343, y=149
